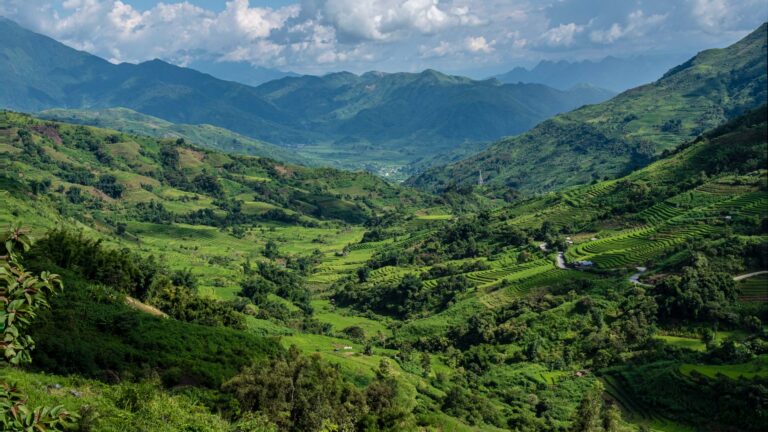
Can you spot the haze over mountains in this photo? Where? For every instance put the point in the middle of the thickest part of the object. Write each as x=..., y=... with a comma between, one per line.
x=617, y=136
x=616, y=74
x=350, y=120
x=238, y=71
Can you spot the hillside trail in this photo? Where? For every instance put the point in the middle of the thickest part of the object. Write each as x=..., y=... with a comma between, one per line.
x=749, y=275
x=635, y=278
x=560, y=261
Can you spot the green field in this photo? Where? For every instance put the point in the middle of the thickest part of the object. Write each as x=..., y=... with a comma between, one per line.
x=757, y=368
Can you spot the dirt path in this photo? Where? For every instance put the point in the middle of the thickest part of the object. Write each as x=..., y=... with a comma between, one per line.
x=749, y=275
x=561, y=261
x=635, y=278
x=132, y=302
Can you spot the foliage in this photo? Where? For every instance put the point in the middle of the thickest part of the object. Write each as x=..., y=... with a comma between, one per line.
x=15, y=415
x=697, y=294
x=305, y=394
x=23, y=295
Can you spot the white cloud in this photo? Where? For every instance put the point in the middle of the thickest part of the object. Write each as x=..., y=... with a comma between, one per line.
x=479, y=45
x=315, y=36
x=381, y=20
x=562, y=35
x=712, y=14
x=638, y=24
x=471, y=45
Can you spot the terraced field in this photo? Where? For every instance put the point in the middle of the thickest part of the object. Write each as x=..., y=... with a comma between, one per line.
x=499, y=295
x=486, y=278
x=754, y=289
x=757, y=368
x=635, y=410
x=701, y=212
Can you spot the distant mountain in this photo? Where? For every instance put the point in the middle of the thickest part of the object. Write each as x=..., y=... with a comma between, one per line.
x=616, y=74
x=617, y=136
x=369, y=121
x=242, y=72
x=212, y=137
x=431, y=106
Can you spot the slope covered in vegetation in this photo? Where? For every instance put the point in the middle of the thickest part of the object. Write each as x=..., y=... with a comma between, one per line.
x=405, y=314
x=212, y=137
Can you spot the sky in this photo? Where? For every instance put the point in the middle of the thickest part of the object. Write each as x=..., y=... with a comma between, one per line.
x=472, y=37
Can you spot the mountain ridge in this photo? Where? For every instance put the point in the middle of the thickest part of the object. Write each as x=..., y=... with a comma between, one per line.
x=617, y=74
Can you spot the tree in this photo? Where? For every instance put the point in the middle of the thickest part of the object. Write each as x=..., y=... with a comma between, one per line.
x=298, y=392
x=271, y=250
x=612, y=418
x=588, y=417
x=108, y=184
x=699, y=293
x=426, y=363
x=75, y=196
x=22, y=294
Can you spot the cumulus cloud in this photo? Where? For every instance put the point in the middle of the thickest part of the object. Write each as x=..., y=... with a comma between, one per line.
x=122, y=33
x=476, y=45
x=479, y=45
x=562, y=35
x=638, y=24
x=323, y=35
x=381, y=20
x=712, y=14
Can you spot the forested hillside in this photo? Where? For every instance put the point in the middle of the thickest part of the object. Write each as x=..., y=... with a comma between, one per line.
x=613, y=138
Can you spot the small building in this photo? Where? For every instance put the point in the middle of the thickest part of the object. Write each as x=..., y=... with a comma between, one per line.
x=583, y=264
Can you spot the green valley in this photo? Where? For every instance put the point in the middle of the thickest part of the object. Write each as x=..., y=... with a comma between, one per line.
x=182, y=253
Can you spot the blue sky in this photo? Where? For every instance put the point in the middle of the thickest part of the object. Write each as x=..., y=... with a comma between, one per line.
x=475, y=37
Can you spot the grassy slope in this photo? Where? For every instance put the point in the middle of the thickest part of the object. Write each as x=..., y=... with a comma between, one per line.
x=212, y=137
x=615, y=137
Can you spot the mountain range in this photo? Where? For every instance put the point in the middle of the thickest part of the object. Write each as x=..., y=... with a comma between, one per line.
x=616, y=74
x=624, y=133
x=342, y=118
